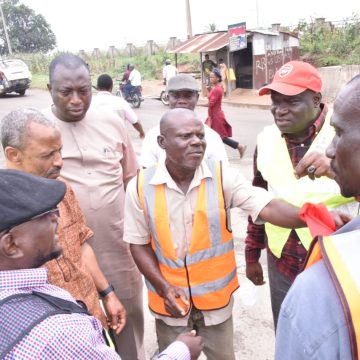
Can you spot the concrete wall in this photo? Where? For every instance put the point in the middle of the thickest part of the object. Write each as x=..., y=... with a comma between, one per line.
x=334, y=77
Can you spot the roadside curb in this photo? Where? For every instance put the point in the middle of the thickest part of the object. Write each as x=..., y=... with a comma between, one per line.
x=238, y=104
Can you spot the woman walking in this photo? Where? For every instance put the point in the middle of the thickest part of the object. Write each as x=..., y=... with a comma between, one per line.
x=216, y=117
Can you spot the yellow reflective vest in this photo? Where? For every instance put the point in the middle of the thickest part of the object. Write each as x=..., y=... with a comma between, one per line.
x=340, y=254
x=274, y=163
x=208, y=272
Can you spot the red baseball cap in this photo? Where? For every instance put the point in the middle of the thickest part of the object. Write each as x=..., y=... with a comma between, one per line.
x=293, y=78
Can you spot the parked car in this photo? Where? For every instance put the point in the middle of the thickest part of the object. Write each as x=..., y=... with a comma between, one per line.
x=15, y=76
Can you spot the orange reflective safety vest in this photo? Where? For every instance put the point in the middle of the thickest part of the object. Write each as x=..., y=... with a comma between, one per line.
x=208, y=272
x=341, y=255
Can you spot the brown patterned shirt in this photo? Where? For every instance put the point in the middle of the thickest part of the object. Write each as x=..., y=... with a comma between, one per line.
x=69, y=271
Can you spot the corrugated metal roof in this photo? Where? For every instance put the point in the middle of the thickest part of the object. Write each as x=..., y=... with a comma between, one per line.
x=203, y=43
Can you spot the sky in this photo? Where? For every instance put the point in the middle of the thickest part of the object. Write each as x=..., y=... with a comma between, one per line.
x=88, y=24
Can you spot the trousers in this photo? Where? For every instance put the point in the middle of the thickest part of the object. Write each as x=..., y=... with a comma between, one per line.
x=218, y=339
x=279, y=286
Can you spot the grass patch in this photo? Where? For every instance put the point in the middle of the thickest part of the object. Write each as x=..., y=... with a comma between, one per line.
x=39, y=81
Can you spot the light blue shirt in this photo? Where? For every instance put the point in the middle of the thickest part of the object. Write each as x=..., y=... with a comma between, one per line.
x=312, y=324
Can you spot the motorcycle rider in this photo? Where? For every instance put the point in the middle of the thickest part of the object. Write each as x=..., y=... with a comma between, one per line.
x=133, y=82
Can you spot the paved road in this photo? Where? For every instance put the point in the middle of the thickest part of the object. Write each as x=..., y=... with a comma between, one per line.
x=254, y=335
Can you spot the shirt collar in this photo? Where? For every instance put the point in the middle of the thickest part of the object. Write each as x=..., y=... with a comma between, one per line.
x=162, y=176
x=24, y=278
x=103, y=92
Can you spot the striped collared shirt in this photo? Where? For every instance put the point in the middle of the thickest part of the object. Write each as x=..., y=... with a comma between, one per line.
x=73, y=336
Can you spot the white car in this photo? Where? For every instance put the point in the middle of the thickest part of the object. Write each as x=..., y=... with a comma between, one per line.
x=14, y=76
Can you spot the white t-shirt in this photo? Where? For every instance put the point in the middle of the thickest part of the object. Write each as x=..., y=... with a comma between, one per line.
x=135, y=78
x=169, y=71
x=151, y=152
x=115, y=103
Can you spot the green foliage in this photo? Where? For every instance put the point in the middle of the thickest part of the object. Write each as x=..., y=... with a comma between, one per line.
x=27, y=31
x=325, y=44
x=150, y=67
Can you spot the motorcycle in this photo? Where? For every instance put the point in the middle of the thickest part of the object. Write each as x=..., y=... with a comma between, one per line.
x=135, y=98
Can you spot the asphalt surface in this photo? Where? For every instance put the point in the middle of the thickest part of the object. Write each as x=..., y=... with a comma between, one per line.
x=253, y=327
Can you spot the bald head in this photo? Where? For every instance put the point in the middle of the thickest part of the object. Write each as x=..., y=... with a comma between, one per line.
x=182, y=136
x=344, y=150
x=176, y=118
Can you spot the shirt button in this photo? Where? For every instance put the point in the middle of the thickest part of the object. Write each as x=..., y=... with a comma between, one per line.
x=89, y=172
x=300, y=260
x=299, y=242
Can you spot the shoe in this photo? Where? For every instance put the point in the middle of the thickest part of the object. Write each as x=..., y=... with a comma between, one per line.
x=242, y=149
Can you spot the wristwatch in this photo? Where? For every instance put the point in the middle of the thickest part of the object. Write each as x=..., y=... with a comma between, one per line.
x=106, y=291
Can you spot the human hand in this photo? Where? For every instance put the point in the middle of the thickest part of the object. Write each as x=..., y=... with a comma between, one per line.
x=115, y=311
x=176, y=302
x=254, y=273
x=340, y=218
x=193, y=342
x=314, y=165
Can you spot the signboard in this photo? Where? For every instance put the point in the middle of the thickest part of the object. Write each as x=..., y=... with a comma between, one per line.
x=237, y=36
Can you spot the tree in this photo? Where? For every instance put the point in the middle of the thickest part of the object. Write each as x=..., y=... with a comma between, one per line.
x=28, y=32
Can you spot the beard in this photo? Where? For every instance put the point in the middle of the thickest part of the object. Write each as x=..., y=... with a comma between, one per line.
x=41, y=259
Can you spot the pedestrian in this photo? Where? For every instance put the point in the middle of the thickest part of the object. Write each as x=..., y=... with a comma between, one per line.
x=104, y=97
x=169, y=71
x=39, y=320
x=183, y=92
x=207, y=67
x=177, y=222
x=99, y=161
x=32, y=143
x=319, y=317
x=216, y=117
x=224, y=75
x=301, y=127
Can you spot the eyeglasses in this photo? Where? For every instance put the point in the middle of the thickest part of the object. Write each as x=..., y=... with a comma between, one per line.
x=53, y=212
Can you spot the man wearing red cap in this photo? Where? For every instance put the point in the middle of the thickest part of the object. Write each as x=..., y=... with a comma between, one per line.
x=301, y=128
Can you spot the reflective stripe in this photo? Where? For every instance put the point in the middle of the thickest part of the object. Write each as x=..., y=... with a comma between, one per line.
x=208, y=273
x=340, y=254
x=151, y=288
x=218, y=284
x=209, y=253
x=217, y=248
x=213, y=207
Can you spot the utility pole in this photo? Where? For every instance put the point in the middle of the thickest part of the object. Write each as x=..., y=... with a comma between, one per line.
x=188, y=19
x=5, y=30
x=257, y=14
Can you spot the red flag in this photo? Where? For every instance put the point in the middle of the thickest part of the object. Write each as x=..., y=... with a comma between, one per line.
x=318, y=219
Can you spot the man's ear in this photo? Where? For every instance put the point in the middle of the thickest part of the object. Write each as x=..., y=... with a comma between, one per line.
x=317, y=99
x=9, y=247
x=13, y=155
x=161, y=141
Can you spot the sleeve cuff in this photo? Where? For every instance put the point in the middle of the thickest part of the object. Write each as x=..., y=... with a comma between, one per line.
x=252, y=256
